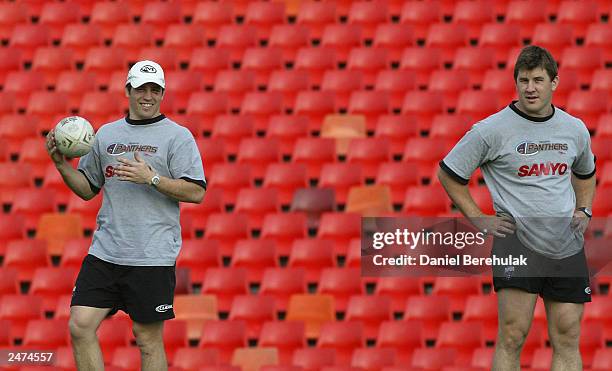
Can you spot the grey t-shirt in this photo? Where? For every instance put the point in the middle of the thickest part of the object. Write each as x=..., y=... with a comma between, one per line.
x=526, y=163
x=138, y=225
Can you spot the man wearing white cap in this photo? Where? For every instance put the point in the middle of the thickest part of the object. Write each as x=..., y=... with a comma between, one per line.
x=145, y=164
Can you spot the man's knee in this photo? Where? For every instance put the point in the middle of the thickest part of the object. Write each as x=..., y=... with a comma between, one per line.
x=565, y=334
x=512, y=335
x=148, y=335
x=82, y=327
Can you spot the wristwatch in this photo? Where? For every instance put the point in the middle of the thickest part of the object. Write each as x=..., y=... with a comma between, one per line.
x=586, y=210
x=155, y=180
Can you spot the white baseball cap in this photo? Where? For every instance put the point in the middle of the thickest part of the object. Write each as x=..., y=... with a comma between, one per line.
x=146, y=71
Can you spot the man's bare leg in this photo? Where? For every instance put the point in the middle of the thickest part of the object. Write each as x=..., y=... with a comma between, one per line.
x=564, y=332
x=83, y=324
x=149, y=337
x=515, y=312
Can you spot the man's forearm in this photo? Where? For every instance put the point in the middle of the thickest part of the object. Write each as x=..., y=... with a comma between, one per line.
x=76, y=181
x=584, y=190
x=181, y=190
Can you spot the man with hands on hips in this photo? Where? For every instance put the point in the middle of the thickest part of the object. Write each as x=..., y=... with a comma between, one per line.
x=539, y=168
x=145, y=164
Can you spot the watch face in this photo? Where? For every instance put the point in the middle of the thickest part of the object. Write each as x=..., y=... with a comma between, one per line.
x=155, y=180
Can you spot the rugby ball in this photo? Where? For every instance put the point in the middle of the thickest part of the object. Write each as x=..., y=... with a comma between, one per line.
x=74, y=136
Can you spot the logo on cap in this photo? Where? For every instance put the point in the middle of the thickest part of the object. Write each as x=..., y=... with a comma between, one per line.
x=147, y=68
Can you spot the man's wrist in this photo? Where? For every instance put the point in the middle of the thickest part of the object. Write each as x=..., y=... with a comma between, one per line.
x=586, y=210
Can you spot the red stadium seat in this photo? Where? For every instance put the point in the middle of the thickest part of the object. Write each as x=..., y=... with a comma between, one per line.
x=253, y=310
x=342, y=83
x=602, y=360
x=341, y=228
x=483, y=357
x=313, y=309
x=316, y=15
x=286, y=336
x=426, y=152
x=423, y=105
x=285, y=178
x=289, y=83
x=397, y=176
x=315, y=105
x=180, y=85
x=108, y=15
x=10, y=60
x=9, y=284
x=450, y=83
x=51, y=62
x=207, y=106
x=462, y=337
x=284, y=228
x=28, y=37
x=311, y=359
x=591, y=339
x=225, y=283
x=227, y=228
x=126, y=358
x=369, y=61
x=579, y=15
x=52, y=282
x=500, y=82
x=602, y=82
x=373, y=359
x=17, y=176
x=478, y=104
x=212, y=16
x=583, y=60
x=195, y=310
x=198, y=213
x=113, y=333
x=19, y=309
x=588, y=106
x=312, y=255
x=263, y=16
x=12, y=227
x=447, y=38
x=225, y=336
x=342, y=38
x=163, y=56
x=553, y=37
x=457, y=289
x=313, y=202
x=403, y=336
x=368, y=153
x=394, y=38
x=255, y=203
x=188, y=358
x=261, y=105
x=420, y=16
x=341, y=177
x=430, y=311
x=100, y=108
x=183, y=38
x=396, y=129
x=287, y=129
x=343, y=337
x=526, y=16
x=79, y=38
x=26, y=256
x=368, y=15
x=209, y=62
x=12, y=15
x=599, y=35
x=289, y=38
x=473, y=14
x=262, y=61
x=475, y=61
x=58, y=228
x=75, y=251
x=21, y=84
x=315, y=61
x=159, y=16
x=370, y=104
x=34, y=154
x=57, y=15
x=46, y=333
x=198, y=256
x=395, y=83
x=103, y=62
x=433, y=358
x=73, y=83
x=31, y=203
x=232, y=129
x=281, y=283
x=564, y=90
x=342, y=283
x=314, y=153
x=258, y=153
x=369, y=310
x=236, y=39
x=501, y=38
x=254, y=256
x=450, y=126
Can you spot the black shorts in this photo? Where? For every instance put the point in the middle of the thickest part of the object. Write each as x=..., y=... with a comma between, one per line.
x=146, y=293
x=564, y=280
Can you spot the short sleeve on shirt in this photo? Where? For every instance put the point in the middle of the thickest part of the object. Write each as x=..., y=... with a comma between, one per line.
x=584, y=164
x=90, y=166
x=468, y=154
x=185, y=162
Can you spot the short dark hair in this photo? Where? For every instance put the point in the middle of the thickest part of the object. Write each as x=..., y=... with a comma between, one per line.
x=534, y=56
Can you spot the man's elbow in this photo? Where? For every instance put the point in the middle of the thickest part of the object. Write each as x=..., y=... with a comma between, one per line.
x=198, y=196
